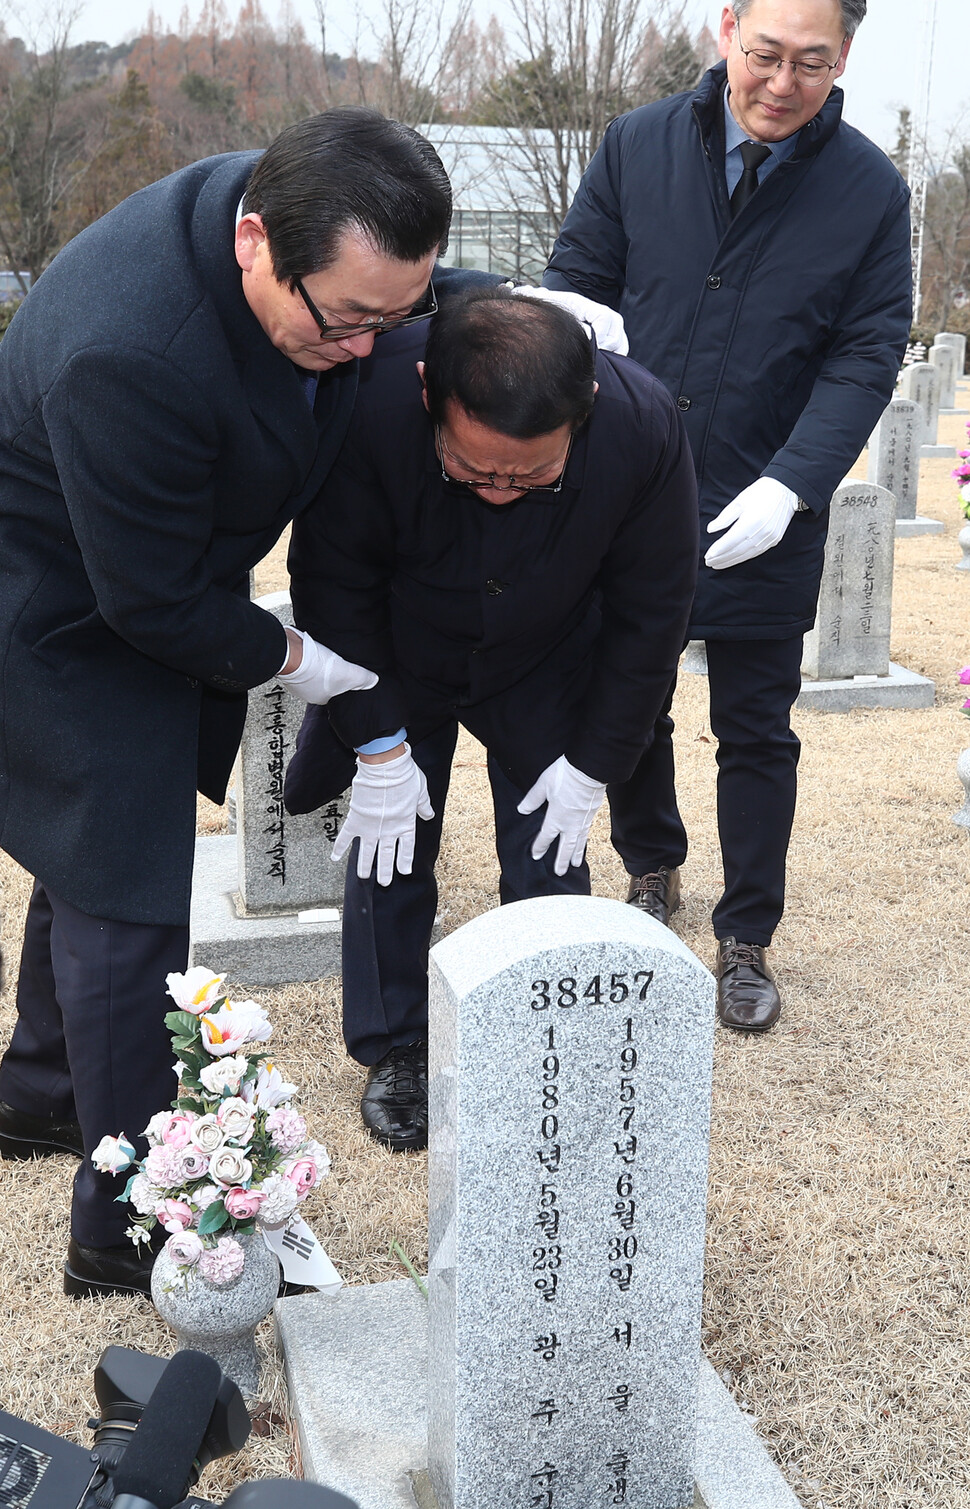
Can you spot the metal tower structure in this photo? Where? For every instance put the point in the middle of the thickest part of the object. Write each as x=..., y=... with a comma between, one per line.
x=918, y=148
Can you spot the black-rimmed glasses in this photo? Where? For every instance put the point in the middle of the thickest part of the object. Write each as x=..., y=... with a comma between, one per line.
x=810, y=72
x=376, y=325
x=490, y=482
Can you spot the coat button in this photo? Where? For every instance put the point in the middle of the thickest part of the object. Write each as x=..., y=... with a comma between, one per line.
x=493, y=587
x=713, y=281
x=683, y=403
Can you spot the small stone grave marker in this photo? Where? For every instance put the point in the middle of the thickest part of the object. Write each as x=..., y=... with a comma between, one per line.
x=284, y=861
x=943, y=358
x=894, y=448
x=570, y=1077
x=921, y=383
x=851, y=632
x=958, y=342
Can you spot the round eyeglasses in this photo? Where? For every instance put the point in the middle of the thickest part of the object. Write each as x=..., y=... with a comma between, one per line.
x=810, y=72
x=377, y=325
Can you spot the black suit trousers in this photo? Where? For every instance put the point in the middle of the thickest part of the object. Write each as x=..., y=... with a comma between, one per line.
x=91, y=1040
x=753, y=684
x=387, y=929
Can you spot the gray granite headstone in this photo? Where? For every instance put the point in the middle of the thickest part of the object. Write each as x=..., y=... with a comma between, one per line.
x=284, y=861
x=851, y=632
x=894, y=453
x=959, y=343
x=570, y=1076
x=921, y=383
x=943, y=358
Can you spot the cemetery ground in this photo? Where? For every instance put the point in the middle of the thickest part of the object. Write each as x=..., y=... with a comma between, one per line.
x=837, y=1246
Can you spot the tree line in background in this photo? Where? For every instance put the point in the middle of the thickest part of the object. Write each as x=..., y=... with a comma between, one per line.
x=946, y=234
x=82, y=125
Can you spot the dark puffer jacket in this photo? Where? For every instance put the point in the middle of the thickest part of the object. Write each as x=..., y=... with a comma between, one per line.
x=779, y=333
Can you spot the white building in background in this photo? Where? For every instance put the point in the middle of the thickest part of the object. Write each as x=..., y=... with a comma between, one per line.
x=502, y=221
x=10, y=286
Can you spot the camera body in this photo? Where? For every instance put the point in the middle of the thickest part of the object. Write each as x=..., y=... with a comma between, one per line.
x=39, y=1470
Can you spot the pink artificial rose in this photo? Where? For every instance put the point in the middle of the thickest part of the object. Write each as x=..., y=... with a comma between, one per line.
x=242, y=1204
x=174, y=1215
x=302, y=1174
x=965, y=676
x=177, y=1130
x=192, y=1163
x=184, y=1248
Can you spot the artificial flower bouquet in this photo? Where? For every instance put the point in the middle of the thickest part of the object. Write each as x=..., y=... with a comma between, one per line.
x=232, y=1155
x=961, y=475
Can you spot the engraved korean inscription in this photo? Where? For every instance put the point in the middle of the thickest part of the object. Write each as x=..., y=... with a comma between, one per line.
x=569, y=1078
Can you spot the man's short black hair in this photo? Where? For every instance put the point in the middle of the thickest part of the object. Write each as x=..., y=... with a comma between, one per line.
x=520, y=366
x=348, y=170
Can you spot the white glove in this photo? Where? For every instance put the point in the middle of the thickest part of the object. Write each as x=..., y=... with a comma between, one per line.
x=323, y=674
x=385, y=800
x=759, y=517
x=604, y=322
x=573, y=801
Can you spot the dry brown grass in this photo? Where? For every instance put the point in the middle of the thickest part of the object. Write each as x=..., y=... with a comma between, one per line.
x=835, y=1300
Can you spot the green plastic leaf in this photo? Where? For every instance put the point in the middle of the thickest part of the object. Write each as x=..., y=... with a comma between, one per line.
x=182, y=1022
x=213, y=1218
x=122, y=1199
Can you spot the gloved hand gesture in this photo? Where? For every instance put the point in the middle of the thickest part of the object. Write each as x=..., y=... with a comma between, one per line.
x=758, y=517
x=385, y=801
x=604, y=322
x=323, y=674
x=573, y=800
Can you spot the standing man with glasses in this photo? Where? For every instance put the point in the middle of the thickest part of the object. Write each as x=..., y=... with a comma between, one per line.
x=172, y=393
x=758, y=249
x=509, y=538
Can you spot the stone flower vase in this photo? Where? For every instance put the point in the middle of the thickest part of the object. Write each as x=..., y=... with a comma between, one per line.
x=221, y=1319
x=962, y=818
x=964, y=539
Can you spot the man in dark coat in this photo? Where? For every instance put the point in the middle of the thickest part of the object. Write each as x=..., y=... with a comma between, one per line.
x=758, y=249
x=510, y=555
x=172, y=392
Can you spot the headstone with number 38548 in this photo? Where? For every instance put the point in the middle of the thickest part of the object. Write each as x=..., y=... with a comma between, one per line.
x=570, y=1078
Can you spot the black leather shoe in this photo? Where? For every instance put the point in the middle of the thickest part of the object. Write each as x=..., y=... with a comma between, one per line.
x=747, y=996
x=657, y=894
x=126, y=1270
x=109, y=1270
x=395, y=1100
x=25, y=1136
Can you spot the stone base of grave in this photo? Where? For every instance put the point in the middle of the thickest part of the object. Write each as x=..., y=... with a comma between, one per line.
x=901, y=689
x=259, y=950
x=939, y=452
x=954, y=411
x=356, y=1367
x=694, y=660
x=905, y=528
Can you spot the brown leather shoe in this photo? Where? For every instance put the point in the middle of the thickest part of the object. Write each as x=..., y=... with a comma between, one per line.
x=747, y=996
x=657, y=894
